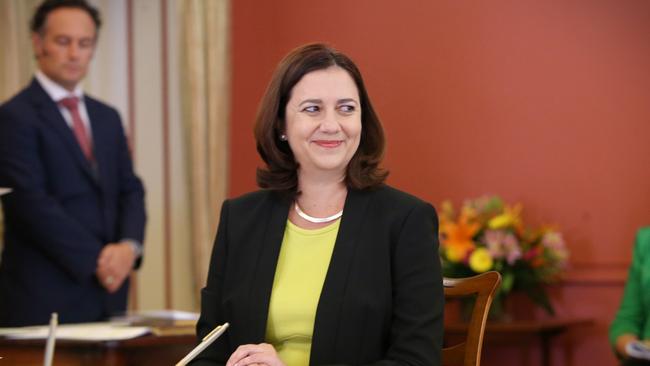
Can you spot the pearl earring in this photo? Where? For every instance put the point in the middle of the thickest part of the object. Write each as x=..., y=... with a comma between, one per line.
x=283, y=137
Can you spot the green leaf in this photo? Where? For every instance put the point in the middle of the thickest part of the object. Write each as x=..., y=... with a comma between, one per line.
x=507, y=280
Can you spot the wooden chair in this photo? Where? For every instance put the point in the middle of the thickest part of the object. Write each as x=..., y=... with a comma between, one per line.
x=468, y=353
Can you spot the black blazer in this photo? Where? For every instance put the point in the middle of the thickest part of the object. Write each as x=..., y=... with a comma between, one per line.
x=382, y=300
x=62, y=210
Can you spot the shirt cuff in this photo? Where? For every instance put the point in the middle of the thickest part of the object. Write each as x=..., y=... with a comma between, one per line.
x=138, y=248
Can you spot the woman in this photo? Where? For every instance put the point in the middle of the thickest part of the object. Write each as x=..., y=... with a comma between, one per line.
x=326, y=264
x=632, y=322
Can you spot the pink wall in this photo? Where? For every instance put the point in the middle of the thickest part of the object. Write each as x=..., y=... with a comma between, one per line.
x=547, y=103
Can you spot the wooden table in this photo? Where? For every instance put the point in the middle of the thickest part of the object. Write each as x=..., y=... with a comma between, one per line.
x=142, y=351
x=523, y=332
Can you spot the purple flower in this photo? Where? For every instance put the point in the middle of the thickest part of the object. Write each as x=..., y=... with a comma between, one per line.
x=502, y=245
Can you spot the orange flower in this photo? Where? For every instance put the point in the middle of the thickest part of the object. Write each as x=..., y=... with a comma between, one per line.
x=457, y=236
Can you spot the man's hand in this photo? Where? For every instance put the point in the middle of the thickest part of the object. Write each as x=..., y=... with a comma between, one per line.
x=622, y=342
x=114, y=265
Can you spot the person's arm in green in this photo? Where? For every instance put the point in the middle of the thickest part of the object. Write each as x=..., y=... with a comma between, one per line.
x=631, y=316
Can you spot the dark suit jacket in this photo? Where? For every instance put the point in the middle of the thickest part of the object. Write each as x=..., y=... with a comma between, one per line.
x=382, y=300
x=62, y=210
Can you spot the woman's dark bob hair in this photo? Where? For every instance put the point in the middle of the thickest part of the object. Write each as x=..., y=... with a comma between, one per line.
x=281, y=172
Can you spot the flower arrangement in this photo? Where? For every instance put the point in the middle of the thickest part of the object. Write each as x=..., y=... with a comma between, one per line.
x=488, y=234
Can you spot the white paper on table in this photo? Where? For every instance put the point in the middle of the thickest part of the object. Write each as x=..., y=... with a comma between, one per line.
x=171, y=315
x=78, y=332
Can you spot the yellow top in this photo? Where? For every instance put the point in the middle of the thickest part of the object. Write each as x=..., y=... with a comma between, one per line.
x=304, y=258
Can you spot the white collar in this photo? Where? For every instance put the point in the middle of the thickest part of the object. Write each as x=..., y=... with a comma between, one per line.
x=56, y=91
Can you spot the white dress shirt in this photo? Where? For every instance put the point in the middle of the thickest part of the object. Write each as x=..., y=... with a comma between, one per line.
x=57, y=92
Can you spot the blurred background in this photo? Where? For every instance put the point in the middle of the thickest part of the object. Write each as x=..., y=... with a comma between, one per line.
x=545, y=103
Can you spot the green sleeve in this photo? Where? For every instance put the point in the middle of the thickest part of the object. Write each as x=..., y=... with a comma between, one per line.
x=631, y=316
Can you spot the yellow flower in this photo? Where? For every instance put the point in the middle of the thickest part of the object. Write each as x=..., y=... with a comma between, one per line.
x=457, y=253
x=468, y=213
x=480, y=260
x=446, y=209
x=509, y=218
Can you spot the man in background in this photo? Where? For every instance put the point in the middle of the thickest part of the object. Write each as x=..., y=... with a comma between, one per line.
x=74, y=222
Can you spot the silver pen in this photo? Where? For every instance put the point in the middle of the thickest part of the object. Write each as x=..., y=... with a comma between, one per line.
x=51, y=339
x=207, y=340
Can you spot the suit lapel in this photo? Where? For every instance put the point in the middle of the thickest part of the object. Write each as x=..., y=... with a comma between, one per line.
x=52, y=118
x=267, y=259
x=326, y=325
x=99, y=135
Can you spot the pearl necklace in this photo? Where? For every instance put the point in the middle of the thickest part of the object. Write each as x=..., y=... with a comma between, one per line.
x=317, y=220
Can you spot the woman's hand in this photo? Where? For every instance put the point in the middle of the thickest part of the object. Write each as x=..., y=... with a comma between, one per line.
x=255, y=354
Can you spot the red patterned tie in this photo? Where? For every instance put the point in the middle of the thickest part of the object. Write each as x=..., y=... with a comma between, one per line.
x=72, y=105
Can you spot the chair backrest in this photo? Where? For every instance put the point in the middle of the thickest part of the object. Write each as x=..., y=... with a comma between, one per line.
x=483, y=286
